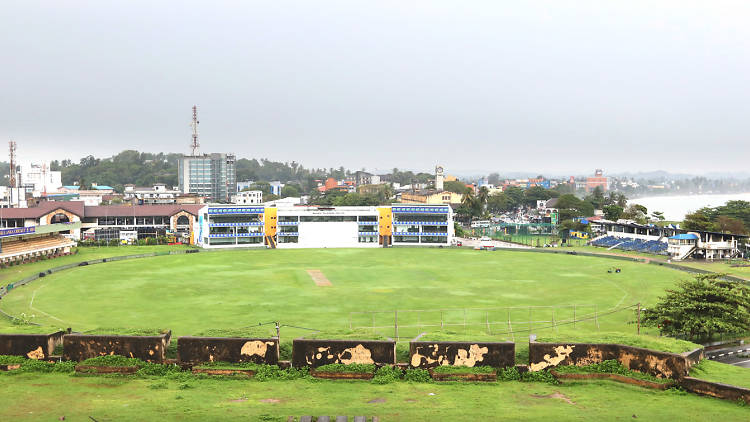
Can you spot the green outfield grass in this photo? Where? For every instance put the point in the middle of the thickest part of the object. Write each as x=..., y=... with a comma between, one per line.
x=32, y=397
x=239, y=288
x=234, y=291
x=18, y=272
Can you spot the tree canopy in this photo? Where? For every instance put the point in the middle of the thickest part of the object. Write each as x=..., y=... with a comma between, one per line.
x=732, y=217
x=702, y=307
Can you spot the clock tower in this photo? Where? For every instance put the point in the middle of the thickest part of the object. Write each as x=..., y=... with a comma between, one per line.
x=439, y=177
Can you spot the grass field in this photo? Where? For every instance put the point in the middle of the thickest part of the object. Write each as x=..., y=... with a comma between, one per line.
x=234, y=289
x=18, y=272
x=239, y=288
x=32, y=397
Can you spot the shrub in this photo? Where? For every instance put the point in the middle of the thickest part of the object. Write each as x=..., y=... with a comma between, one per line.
x=113, y=360
x=11, y=360
x=285, y=350
x=352, y=367
x=417, y=375
x=539, y=376
x=447, y=369
x=508, y=374
x=387, y=374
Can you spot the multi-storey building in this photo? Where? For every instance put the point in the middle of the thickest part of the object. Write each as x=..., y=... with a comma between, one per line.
x=157, y=194
x=324, y=227
x=209, y=175
x=229, y=225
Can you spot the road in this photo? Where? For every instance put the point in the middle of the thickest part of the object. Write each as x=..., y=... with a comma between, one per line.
x=737, y=355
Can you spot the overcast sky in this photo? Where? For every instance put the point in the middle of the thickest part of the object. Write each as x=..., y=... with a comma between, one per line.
x=558, y=86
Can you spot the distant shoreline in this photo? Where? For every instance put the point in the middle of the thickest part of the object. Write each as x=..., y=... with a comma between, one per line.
x=675, y=207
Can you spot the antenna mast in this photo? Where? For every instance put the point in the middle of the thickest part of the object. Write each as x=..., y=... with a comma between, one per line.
x=195, y=145
x=44, y=180
x=12, y=148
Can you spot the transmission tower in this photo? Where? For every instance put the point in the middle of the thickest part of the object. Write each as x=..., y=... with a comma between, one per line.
x=12, y=148
x=195, y=145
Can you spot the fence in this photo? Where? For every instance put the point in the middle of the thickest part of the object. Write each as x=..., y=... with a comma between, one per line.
x=500, y=322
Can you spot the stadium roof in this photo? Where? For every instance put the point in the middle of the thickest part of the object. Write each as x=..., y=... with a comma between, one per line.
x=78, y=208
x=685, y=236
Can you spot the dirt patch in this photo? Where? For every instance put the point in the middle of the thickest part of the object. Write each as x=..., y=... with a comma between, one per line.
x=377, y=401
x=556, y=395
x=269, y=400
x=319, y=278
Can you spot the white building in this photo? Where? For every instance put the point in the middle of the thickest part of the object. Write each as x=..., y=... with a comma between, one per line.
x=248, y=197
x=287, y=226
x=38, y=179
x=157, y=194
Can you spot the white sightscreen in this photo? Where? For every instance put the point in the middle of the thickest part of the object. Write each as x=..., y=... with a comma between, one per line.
x=328, y=234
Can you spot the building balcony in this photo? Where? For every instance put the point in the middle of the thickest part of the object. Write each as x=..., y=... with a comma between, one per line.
x=223, y=235
x=420, y=223
x=235, y=210
x=242, y=224
x=420, y=210
x=419, y=234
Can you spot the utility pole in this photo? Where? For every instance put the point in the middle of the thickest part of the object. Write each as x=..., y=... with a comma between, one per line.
x=639, y=318
x=194, y=124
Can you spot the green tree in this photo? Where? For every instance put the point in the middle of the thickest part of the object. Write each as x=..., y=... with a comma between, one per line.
x=482, y=196
x=701, y=308
x=657, y=216
x=596, y=198
x=535, y=193
x=726, y=224
x=612, y=212
x=455, y=186
x=637, y=213
x=290, y=191
x=571, y=206
x=616, y=198
x=515, y=194
x=499, y=203
x=698, y=220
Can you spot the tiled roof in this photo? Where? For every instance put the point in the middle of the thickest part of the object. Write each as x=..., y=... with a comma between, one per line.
x=78, y=208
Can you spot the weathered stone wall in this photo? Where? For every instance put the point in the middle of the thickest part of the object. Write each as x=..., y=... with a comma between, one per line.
x=659, y=364
x=715, y=389
x=216, y=349
x=79, y=347
x=32, y=346
x=429, y=354
x=693, y=357
x=314, y=353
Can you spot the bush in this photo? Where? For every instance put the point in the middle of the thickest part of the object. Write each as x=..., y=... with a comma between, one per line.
x=158, y=370
x=31, y=365
x=113, y=360
x=387, y=374
x=539, y=376
x=508, y=374
x=417, y=375
x=352, y=367
x=610, y=366
x=447, y=369
x=11, y=360
x=285, y=350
